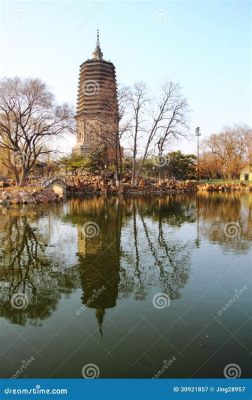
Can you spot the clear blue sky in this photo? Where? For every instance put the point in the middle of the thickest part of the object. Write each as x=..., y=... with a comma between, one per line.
x=203, y=45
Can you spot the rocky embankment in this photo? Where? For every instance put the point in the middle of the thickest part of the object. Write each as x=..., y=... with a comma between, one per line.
x=96, y=184
x=29, y=195
x=227, y=187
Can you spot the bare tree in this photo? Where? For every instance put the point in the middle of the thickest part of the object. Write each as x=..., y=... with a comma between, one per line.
x=209, y=165
x=169, y=120
x=29, y=117
x=123, y=95
x=137, y=103
x=231, y=148
x=111, y=123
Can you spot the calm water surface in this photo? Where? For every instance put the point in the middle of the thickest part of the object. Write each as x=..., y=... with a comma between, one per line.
x=134, y=286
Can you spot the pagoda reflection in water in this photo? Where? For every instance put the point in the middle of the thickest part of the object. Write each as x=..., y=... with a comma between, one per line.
x=99, y=257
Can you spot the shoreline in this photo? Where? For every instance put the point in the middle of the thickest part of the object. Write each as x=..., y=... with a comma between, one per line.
x=28, y=195
x=37, y=195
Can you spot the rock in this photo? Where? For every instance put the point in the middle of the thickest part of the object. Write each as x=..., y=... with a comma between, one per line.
x=141, y=183
x=16, y=196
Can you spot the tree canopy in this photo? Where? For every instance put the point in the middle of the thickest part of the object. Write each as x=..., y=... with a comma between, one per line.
x=29, y=118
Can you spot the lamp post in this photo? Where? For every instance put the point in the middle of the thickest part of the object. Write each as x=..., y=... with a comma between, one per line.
x=197, y=240
x=198, y=134
x=105, y=171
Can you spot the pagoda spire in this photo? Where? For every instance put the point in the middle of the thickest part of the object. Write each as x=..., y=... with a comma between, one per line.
x=100, y=312
x=98, y=38
x=97, y=54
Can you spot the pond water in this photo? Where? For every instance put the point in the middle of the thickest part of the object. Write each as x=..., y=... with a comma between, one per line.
x=121, y=288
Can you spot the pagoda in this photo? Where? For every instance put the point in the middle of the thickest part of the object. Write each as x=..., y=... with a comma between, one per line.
x=97, y=105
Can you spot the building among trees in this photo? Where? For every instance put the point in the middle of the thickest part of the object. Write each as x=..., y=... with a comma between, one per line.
x=97, y=105
x=246, y=173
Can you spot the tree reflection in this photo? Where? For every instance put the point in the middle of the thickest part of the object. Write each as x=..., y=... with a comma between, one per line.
x=107, y=262
x=216, y=211
x=26, y=270
x=168, y=259
x=141, y=246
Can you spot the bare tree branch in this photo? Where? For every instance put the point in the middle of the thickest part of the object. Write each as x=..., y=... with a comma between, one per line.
x=29, y=116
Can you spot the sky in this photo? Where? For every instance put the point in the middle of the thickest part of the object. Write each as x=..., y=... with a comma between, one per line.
x=205, y=46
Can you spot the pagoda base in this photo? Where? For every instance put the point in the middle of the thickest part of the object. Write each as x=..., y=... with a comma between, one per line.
x=83, y=150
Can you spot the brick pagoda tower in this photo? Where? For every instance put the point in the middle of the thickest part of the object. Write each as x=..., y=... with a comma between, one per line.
x=97, y=106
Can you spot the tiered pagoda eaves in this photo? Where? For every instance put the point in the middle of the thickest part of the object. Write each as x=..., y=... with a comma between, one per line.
x=97, y=107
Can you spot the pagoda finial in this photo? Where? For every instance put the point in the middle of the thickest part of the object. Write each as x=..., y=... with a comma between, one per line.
x=100, y=312
x=98, y=38
x=97, y=54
